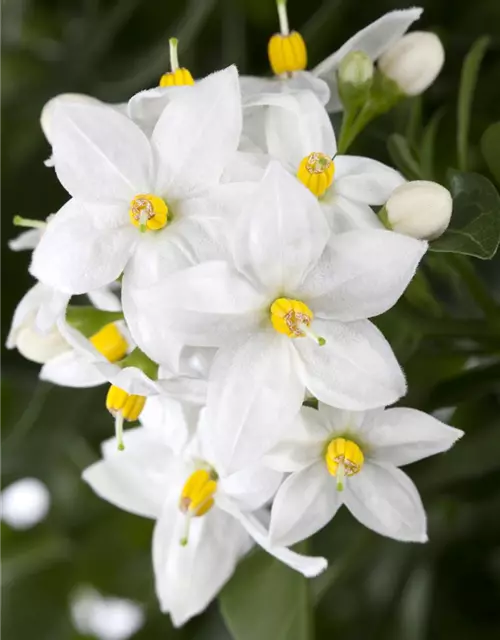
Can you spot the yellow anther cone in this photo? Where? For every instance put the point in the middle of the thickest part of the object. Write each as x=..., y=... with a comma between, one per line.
x=286, y=50
x=290, y=317
x=316, y=172
x=110, y=342
x=346, y=453
x=148, y=211
x=128, y=405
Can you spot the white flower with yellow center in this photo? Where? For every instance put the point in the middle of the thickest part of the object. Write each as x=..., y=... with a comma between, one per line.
x=288, y=58
x=139, y=205
x=205, y=521
x=300, y=135
x=338, y=457
x=35, y=332
x=289, y=315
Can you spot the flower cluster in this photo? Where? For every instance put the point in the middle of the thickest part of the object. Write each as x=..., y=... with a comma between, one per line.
x=232, y=256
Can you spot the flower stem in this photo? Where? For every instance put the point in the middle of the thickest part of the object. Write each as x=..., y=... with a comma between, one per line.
x=174, y=59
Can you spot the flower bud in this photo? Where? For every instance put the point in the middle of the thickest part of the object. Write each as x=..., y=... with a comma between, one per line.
x=355, y=76
x=419, y=209
x=413, y=62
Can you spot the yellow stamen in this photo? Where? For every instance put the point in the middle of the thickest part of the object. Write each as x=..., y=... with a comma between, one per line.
x=178, y=76
x=343, y=458
x=110, y=342
x=123, y=406
x=286, y=50
x=197, y=497
x=148, y=212
x=293, y=318
x=316, y=172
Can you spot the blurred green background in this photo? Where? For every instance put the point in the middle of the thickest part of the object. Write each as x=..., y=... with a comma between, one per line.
x=375, y=588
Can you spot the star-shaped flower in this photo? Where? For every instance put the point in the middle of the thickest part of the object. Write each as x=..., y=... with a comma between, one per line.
x=205, y=520
x=139, y=205
x=340, y=457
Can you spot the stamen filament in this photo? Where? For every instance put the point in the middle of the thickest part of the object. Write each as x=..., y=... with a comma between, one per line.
x=174, y=59
x=340, y=475
x=310, y=334
x=18, y=221
x=283, y=17
x=119, y=430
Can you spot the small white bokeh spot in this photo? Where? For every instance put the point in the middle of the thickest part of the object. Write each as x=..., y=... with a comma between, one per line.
x=25, y=503
x=106, y=618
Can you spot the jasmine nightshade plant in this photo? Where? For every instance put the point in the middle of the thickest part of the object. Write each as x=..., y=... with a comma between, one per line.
x=290, y=315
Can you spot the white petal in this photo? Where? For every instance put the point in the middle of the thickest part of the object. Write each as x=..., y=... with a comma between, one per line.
x=204, y=305
x=146, y=107
x=297, y=127
x=346, y=215
x=197, y=134
x=384, y=499
x=255, y=90
x=252, y=487
x=84, y=248
x=374, y=39
x=282, y=233
x=26, y=240
x=365, y=180
x=400, y=436
x=302, y=444
x=304, y=504
x=136, y=479
x=355, y=369
x=362, y=274
x=174, y=422
x=189, y=577
x=254, y=393
x=105, y=298
x=99, y=154
x=309, y=566
x=70, y=369
x=26, y=310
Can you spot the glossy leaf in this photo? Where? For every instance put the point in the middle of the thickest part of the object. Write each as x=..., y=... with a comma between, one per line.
x=475, y=224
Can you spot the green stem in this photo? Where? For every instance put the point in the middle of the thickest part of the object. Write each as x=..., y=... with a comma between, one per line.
x=347, y=124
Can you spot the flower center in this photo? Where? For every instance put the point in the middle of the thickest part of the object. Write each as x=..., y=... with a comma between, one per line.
x=316, y=172
x=148, y=212
x=286, y=50
x=197, y=497
x=110, y=342
x=123, y=406
x=343, y=458
x=178, y=76
x=293, y=318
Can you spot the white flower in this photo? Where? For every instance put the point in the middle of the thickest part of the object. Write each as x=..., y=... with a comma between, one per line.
x=339, y=457
x=413, y=62
x=36, y=333
x=374, y=40
x=300, y=135
x=204, y=520
x=122, y=184
x=290, y=292
x=420, y=209
x=29, y=239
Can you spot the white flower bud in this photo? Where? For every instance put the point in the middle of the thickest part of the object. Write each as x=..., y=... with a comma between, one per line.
x=413, y=62
x=355, y=76
x=39, y=347
x=419, y=209
x=356, y=68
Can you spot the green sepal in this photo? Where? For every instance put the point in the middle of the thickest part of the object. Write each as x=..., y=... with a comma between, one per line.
x=89, y=320
x=140, y=360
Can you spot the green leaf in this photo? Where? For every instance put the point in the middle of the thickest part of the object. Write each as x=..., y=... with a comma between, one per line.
x=468, y=80
x=475, y=224
x=490, y=146
x=402, y=156
x=266, y=600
